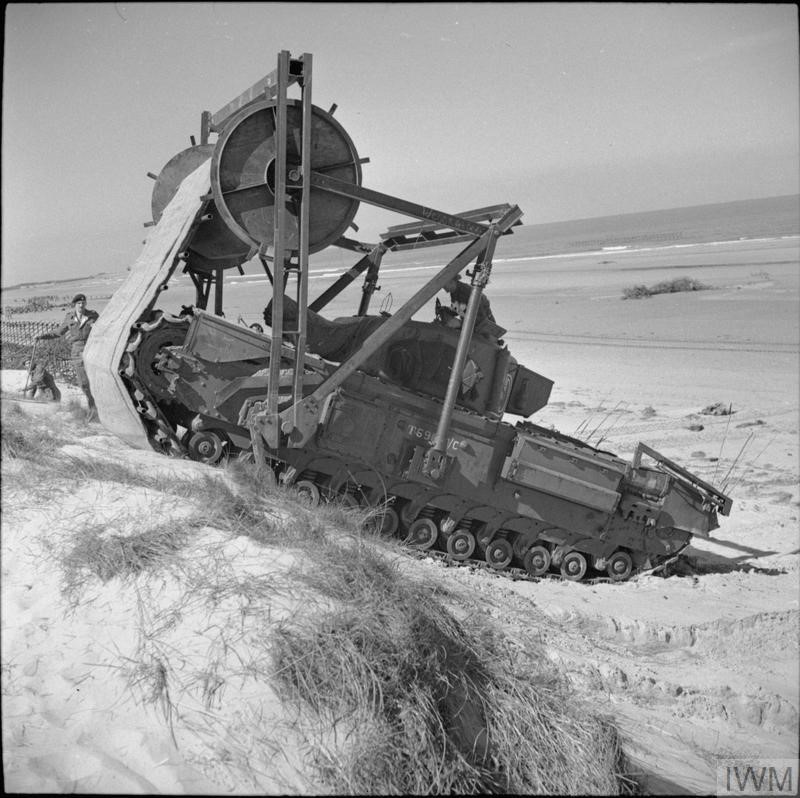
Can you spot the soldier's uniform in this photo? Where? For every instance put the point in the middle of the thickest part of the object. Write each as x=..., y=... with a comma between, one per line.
x=459, y=299
x=41, y=379
x=485, y=325
x=76, y=328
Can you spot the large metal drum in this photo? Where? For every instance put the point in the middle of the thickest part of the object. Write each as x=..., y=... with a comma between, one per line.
x=214, y=245
x=243, y=176
x=172, y=174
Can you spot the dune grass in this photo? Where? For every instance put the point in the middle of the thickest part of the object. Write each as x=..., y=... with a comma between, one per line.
x=677, y=285
x=388, y=690
x=28, y=438
x=93, y=552
x=425, y=702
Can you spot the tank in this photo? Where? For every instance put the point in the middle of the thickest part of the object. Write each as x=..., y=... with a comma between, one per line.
x=425, y=423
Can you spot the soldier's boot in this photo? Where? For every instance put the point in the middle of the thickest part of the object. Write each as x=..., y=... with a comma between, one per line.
x=91, y=413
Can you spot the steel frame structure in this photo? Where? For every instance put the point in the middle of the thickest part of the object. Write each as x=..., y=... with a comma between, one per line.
x=294, y=425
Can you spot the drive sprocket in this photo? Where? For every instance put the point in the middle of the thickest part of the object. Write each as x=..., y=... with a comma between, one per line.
x=153, y=336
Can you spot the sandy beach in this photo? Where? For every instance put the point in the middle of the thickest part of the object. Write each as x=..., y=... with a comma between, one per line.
x=695, y=668
x=256, y=551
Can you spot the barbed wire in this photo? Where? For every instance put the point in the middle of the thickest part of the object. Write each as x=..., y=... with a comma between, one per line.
x=24, y=332
x=17, y=339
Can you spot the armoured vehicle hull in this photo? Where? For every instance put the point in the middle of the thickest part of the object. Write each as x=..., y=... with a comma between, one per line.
x=511, y=495
x=409, y=418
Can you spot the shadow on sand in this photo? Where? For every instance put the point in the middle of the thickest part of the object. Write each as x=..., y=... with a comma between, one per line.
x=697, y=563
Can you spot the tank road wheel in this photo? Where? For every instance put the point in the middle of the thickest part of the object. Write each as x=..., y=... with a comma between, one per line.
x=307, y=492
x=537, y=560
x=386, y=521
x=206, y=447
x=499, y=554
x=573, y=566
x=422, y=534
x=461, y=544
x=620, y=566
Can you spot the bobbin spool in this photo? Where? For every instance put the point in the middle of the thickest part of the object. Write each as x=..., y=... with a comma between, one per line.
x=243, y=169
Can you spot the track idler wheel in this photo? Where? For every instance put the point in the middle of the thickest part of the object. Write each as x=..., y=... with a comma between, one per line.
x=157, y=335
x=461, y=544
x=499, y=553
x=206, y=447
x=422, y=534
x=307, y=492
x=620, y=566
x=573, y=566
x=537, y=560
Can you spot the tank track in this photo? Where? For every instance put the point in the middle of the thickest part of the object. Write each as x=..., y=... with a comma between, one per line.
x=147, y=388
x=434, y=524
x=412, y=512
x=424, y=550
x=521, y=575
x=512, y=571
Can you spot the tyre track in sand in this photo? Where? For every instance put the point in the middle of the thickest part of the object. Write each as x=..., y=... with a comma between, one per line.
x=682, y=690
x=704, y=345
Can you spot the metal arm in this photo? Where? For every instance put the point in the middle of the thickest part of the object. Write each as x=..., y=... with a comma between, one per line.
x=388, y=202
x=370, y=262
x=308, y=410
x=723, y=502
x=434, y=462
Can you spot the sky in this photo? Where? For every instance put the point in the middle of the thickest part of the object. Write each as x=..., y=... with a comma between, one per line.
x=568, y=110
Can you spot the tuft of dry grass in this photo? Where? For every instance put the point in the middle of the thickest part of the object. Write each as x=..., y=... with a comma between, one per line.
x=425, y=703
x=93, y=552
x=28, y=438
x=677, y=285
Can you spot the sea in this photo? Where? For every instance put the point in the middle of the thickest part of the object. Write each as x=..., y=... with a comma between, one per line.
x=770, y=218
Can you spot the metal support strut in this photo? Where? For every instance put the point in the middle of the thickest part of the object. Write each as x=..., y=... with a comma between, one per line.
x=311, y=406
x=435, y=460
x=288, y=71
x=291, y=420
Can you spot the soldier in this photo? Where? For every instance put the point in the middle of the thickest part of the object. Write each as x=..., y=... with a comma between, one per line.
x=75, y=328
x=39, y=379
x=485, y=325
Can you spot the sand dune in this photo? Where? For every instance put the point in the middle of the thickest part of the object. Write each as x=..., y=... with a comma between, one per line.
x=695, y=667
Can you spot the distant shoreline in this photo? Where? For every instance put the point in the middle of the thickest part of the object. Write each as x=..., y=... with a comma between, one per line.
x=737, y=220
x=84, y=279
